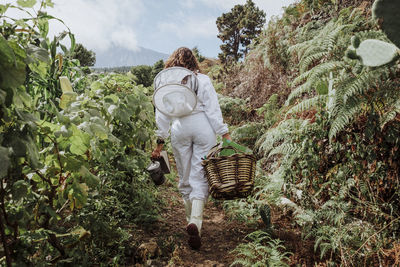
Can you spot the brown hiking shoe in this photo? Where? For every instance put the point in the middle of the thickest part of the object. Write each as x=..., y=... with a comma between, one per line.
x=194, y=236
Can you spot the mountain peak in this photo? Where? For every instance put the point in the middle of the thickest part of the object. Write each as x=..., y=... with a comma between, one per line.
x=117, y=56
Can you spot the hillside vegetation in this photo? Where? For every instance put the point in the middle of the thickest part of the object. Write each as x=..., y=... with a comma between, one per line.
x=313, y=98
x=328, y=140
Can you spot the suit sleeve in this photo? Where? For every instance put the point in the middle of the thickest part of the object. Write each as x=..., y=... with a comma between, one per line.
x=163, y=123
x=212, y=109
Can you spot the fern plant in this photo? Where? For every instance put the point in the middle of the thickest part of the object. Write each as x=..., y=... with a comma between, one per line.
x=351, y=86
x=262, y=250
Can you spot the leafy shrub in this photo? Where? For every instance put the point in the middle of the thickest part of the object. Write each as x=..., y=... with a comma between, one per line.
x=72, y=159
x=234, y=110
x=248, y=134
x=333, y=147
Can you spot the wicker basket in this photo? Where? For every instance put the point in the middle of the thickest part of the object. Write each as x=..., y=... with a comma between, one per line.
x=229, y=177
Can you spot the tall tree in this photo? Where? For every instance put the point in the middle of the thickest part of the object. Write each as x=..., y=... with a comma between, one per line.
x=238, y=28
x=157, y=67
x=86, y=57
x=143, y=74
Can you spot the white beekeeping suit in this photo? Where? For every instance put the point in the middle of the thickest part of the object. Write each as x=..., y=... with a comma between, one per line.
x=192, y=136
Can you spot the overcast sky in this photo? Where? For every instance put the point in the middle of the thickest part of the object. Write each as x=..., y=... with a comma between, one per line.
x=161, y=25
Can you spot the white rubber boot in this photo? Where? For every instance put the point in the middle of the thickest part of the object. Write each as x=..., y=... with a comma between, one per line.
x=197, y=213
x=188, y=209
x=194, y=226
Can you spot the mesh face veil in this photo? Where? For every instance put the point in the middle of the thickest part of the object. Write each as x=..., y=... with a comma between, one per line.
x=175, y=91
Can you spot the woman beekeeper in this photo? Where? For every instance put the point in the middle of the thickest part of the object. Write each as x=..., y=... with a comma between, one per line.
x=192, y=135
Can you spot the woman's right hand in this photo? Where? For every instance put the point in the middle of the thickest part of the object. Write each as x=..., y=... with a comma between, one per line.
x=157, y=152
x=227, y=136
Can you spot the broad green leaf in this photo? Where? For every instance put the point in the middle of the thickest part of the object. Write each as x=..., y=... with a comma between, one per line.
x=26, y=3
x=40, y=68
x=99, y=130
x=91, y=179
x=96, y=86
x=21, y=99
x=72, y=164
x=36, y=53
x=32, y=152
x=3, y=8
x=19, y=189
x=79, y=141
x=18, y=147
x=12, y=67
x=73, y=43
x=77, y=194
x=49, y=3
x=112, y=109
x=63, y=131
x=77, y=146
x=114, y=98
x=81, y=232
x=43, y=24
x=4, y=161
x=65, y=84
x=3, y=96
x=67, y=98
x=27, y=117
x=52, y=213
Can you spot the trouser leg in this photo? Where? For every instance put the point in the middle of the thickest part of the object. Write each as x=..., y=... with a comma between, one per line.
x=202, y=144
x=183, y=155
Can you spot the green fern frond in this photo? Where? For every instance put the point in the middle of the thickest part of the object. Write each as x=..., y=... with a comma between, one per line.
x=325, y=69
x=306, y=61
x=389, y=116
x=319, y=70
x=304, y=88
x=285, y=149
x=301, y=77
x=329, y=41
x=314, y=76
x=343, y=119
x=299, y=48
x=268, y=140
x=308, y=103
x=363, y=82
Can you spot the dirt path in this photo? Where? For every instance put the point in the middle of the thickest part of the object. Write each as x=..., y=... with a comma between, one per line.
x=166, y=240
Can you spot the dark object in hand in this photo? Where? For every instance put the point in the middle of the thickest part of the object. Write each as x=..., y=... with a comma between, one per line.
x=156, y=173
x=158, y=167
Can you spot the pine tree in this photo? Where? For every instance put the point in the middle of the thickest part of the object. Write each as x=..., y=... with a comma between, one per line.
x=238, y=28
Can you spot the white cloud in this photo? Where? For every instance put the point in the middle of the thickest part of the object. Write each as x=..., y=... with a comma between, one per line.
x=271, y=7
x=98, y=24
x=125, y=37
x=187, y=3
x=190, y=27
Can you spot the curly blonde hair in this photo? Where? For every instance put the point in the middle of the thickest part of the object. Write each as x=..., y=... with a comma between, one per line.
x=183, y=57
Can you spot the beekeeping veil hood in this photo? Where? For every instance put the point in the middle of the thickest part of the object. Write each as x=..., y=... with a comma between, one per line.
x=175, y=91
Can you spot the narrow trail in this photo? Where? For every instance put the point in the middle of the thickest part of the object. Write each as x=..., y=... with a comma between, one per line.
x=166, y=240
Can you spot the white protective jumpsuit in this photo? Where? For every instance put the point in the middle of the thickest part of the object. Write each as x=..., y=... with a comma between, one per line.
x=192, y=136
